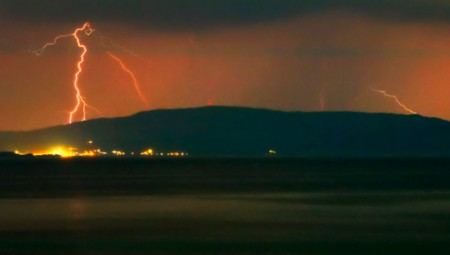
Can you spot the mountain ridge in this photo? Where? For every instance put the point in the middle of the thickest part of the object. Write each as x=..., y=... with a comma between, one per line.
x=239, y=131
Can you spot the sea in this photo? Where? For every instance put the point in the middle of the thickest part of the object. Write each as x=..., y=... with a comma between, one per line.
x=225, y=206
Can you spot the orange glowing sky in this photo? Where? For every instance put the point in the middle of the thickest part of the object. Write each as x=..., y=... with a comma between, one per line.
x=283, y=63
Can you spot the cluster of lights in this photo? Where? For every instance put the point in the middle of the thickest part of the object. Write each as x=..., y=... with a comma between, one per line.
x=92, y=153
x=177, y=154
x=148, y=152
x=118, y=153
x=68, y=152
x=58, y=151
x=151, y=152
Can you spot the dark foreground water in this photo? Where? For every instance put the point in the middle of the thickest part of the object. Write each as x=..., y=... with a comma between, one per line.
x=195, y=206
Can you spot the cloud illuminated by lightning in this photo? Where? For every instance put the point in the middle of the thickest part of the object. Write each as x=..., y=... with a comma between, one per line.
x=133, y=77
x=80, y=99
x=399, y=103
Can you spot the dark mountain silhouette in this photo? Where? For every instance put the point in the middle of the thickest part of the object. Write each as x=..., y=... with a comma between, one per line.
x=234, y=131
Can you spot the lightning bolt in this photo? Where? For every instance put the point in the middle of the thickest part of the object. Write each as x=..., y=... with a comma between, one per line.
x=40, y=51
x=108, y=43
x=399, y=103
x=133, y=77
x=81, y=103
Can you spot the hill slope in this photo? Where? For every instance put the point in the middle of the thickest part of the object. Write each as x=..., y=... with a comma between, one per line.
x=234, y=131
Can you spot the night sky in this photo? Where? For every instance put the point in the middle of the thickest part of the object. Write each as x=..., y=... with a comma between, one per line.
x=287, y=55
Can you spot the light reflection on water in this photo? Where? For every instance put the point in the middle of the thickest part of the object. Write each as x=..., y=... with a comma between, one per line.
x=403, y=215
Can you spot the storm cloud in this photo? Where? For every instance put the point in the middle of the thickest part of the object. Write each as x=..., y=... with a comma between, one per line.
x=204, y=14
x=285, y=55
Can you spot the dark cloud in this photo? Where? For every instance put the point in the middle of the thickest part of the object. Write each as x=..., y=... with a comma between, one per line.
x=185, y=14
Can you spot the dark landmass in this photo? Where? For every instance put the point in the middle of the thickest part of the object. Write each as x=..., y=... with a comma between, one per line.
x=242, y=132
x=12, y=155
x=8, y=155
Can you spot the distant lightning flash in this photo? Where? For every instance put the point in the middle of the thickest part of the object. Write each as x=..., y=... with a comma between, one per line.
x=80, y=100
x=403, y=106
x=133, y=77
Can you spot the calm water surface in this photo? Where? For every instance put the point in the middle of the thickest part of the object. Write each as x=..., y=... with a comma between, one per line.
x=210, y=207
